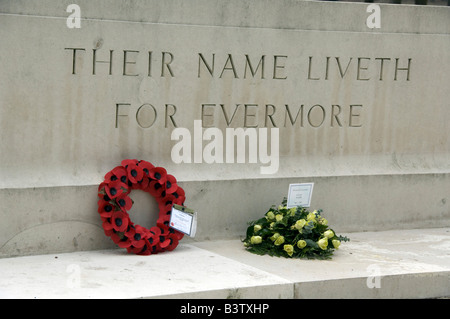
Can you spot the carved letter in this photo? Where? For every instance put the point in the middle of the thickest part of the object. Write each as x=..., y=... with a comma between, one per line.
x=138, y=112
x=208, y=67
x=381, y=66
x=232, y=68
x=269, y=116
x=246, y=106
x=149, y=63
x=309, y=115
x=167, y=64
x=276, y=66
x=335, y=115
x=352, y=115
x=170, y=115
x=94, y=61
x=247, y=63
x=74, y=56
x=117, y=112
x=407, y=69
x=125, y=62
x=225, y=113
x=309, y=70
x=339, y=66
x=361, y=68
x=288, y=113
x=204, y=106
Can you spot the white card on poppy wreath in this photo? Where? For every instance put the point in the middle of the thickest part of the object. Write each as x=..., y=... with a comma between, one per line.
x=184, y=220
x=300, y=195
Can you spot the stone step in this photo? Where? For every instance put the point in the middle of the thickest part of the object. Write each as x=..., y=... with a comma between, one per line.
x=389, y=264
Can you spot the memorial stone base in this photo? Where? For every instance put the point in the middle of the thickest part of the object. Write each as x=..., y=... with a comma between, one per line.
x=237, y=101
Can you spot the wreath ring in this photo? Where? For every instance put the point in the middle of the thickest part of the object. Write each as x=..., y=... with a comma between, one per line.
x=114, y=203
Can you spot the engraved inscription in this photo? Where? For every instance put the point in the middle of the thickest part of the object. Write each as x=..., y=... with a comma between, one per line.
x=226, y=66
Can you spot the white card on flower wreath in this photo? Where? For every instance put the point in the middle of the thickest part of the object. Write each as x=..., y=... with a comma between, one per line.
x=184, y=220
x=300, y=195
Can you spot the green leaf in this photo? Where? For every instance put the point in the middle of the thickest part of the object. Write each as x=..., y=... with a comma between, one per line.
x=265, y=232
x=311, y=243
x=249, y=231
x=343, y=238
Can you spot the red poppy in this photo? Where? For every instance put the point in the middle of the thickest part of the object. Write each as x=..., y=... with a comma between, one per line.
x=148, y=249
x=178, y=234
x=152, y=249
x=166, y=243
x=107, y=226
x=165, y=201
x=163, y=221
x=115, y=174
x=105, y=209
x=170, y=243
x=135, y=173
x=159, y=174
x=143, y=184
x=121, y=240
x=179, y=196
x=101, y=189
x=146, y=167
x=165, y=231
x=155, y=188
x=109, y=232
x=126, y=162
x=119, y=221
x=121, y=173
x=125, y=203
x=124, y=243
x=167, y=239
x=165, y=209
x=115, y=189
x=144, y=250
x=171, y=184
x=137, y=235
x=153, y=236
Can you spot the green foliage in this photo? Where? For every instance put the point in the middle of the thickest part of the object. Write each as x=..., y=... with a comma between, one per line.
x=293, y=233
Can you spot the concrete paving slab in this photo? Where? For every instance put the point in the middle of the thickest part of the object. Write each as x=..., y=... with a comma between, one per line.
x=116, y=274
x=391, y=264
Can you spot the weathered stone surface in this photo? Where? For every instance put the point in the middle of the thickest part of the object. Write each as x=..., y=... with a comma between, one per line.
x=361, y=112
x=386, y=264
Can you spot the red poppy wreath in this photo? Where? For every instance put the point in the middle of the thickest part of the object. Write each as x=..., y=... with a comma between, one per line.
x=114, y=203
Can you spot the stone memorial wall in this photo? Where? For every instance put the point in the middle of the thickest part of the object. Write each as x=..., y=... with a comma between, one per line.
x=236, y=99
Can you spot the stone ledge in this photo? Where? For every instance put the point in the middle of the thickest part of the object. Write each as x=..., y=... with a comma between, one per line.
x=397, y=264
x=238, y=13
x=353, y=203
